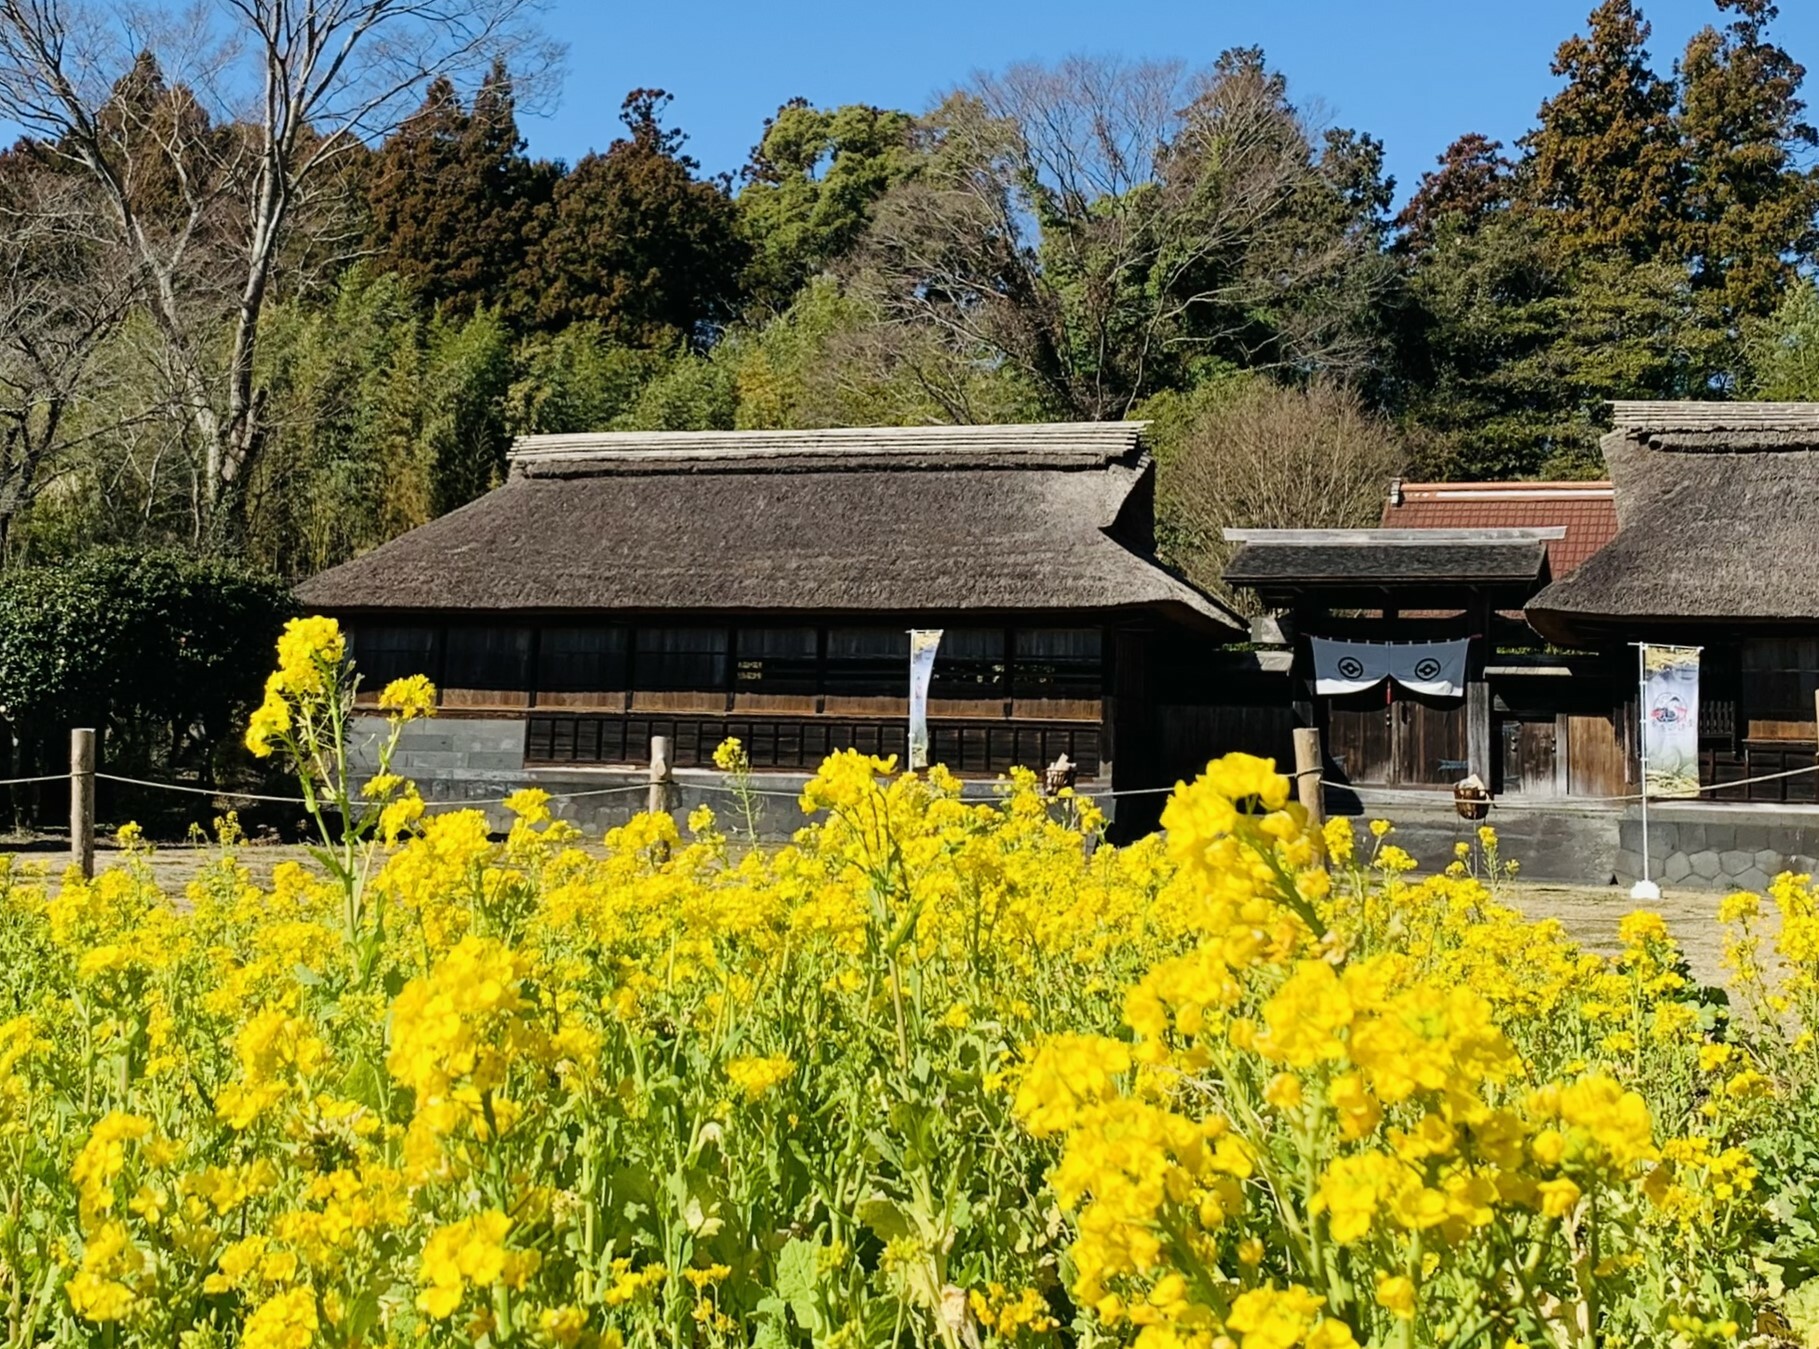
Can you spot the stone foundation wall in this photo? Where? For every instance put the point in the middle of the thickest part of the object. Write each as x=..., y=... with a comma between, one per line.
x=1692, y=845
x=478, y=761
x=1719, y=847
x=1562, y=843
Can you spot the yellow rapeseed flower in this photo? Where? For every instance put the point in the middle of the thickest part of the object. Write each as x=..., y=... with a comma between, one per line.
x=409, y=698
x=756, y=1077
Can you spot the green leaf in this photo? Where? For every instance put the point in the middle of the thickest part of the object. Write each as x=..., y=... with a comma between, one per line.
x=885, y=1218
x=798, y=1281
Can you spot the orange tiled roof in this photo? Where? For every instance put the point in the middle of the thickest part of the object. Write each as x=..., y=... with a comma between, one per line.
x=1586, y=510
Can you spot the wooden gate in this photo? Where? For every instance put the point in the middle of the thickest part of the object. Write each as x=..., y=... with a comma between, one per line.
x=1389, y=737
x=1531, y=753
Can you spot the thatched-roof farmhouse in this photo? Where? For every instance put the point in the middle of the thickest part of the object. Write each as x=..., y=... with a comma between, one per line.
x=1718, y=508
x=1718, y=514
x=762, y=585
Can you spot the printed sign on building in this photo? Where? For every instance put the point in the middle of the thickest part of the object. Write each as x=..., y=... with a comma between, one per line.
x=1670, y=720
x=923, y=644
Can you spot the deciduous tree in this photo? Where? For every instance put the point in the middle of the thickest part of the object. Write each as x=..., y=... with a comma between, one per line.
x=64, y=292
x=1269, y=456
x=204, y=177
x=1100, y=227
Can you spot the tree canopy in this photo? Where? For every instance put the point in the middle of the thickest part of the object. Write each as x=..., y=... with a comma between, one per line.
x=1086, y=238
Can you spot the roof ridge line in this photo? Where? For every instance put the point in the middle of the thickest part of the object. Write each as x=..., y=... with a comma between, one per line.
x=1397, y=537
x=1081, y=439
x=1668, y=415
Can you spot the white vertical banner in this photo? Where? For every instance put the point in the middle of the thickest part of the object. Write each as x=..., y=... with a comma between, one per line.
x=923, y=644
x=1670, y=720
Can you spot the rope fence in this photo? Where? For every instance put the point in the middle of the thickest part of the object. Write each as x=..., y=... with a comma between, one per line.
x=1076, y=793
x=232, y=794
x=1412, y=795
x=1433, y=795
x=220, y=792
x=662, y=783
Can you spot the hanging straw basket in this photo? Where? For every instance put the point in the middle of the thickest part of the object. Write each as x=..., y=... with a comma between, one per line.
x=1471, y=799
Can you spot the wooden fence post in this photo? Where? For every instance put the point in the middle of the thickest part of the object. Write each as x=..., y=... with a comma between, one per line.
x=658, y=801
x=82, y=799
x=1308, y=760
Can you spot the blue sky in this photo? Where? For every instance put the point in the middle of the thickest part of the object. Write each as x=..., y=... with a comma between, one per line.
x=1415, y=73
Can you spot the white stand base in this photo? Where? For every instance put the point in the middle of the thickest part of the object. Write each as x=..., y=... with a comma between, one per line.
x=1646, y=891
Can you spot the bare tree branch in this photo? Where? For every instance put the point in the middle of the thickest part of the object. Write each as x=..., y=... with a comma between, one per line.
x=63, y=293
x=1089, y=223
x=1274, y=457
x=205, y=134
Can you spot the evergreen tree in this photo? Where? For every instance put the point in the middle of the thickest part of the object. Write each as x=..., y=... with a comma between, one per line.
x=345, y=469
x=1604, y=164
x=1784, y=351
x=1472, y=182
x=453, y=199
x=468, y=376
x=1749, y=205
x=809, y=190
x=1480, y=320
x=695, y=392
x=637, y=243
x=575, y=381
x=1518, y=348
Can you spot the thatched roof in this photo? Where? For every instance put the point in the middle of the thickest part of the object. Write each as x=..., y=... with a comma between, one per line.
x=1273, y=561
x=1716, y=508
x=1002, y=518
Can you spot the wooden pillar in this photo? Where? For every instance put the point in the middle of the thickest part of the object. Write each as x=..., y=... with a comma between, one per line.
x=1304, y=704
x=1478, y=728
x=82, y=799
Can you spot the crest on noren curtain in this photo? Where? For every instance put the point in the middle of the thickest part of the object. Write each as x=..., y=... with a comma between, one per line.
x=1436, y=669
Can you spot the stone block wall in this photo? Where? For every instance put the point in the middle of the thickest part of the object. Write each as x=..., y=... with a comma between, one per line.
x=1692, y=845
x=475, y=762
x=1556, y=842
x=1719, y=847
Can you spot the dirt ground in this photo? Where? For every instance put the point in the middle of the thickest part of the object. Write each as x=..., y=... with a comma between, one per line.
x=1589, y=913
